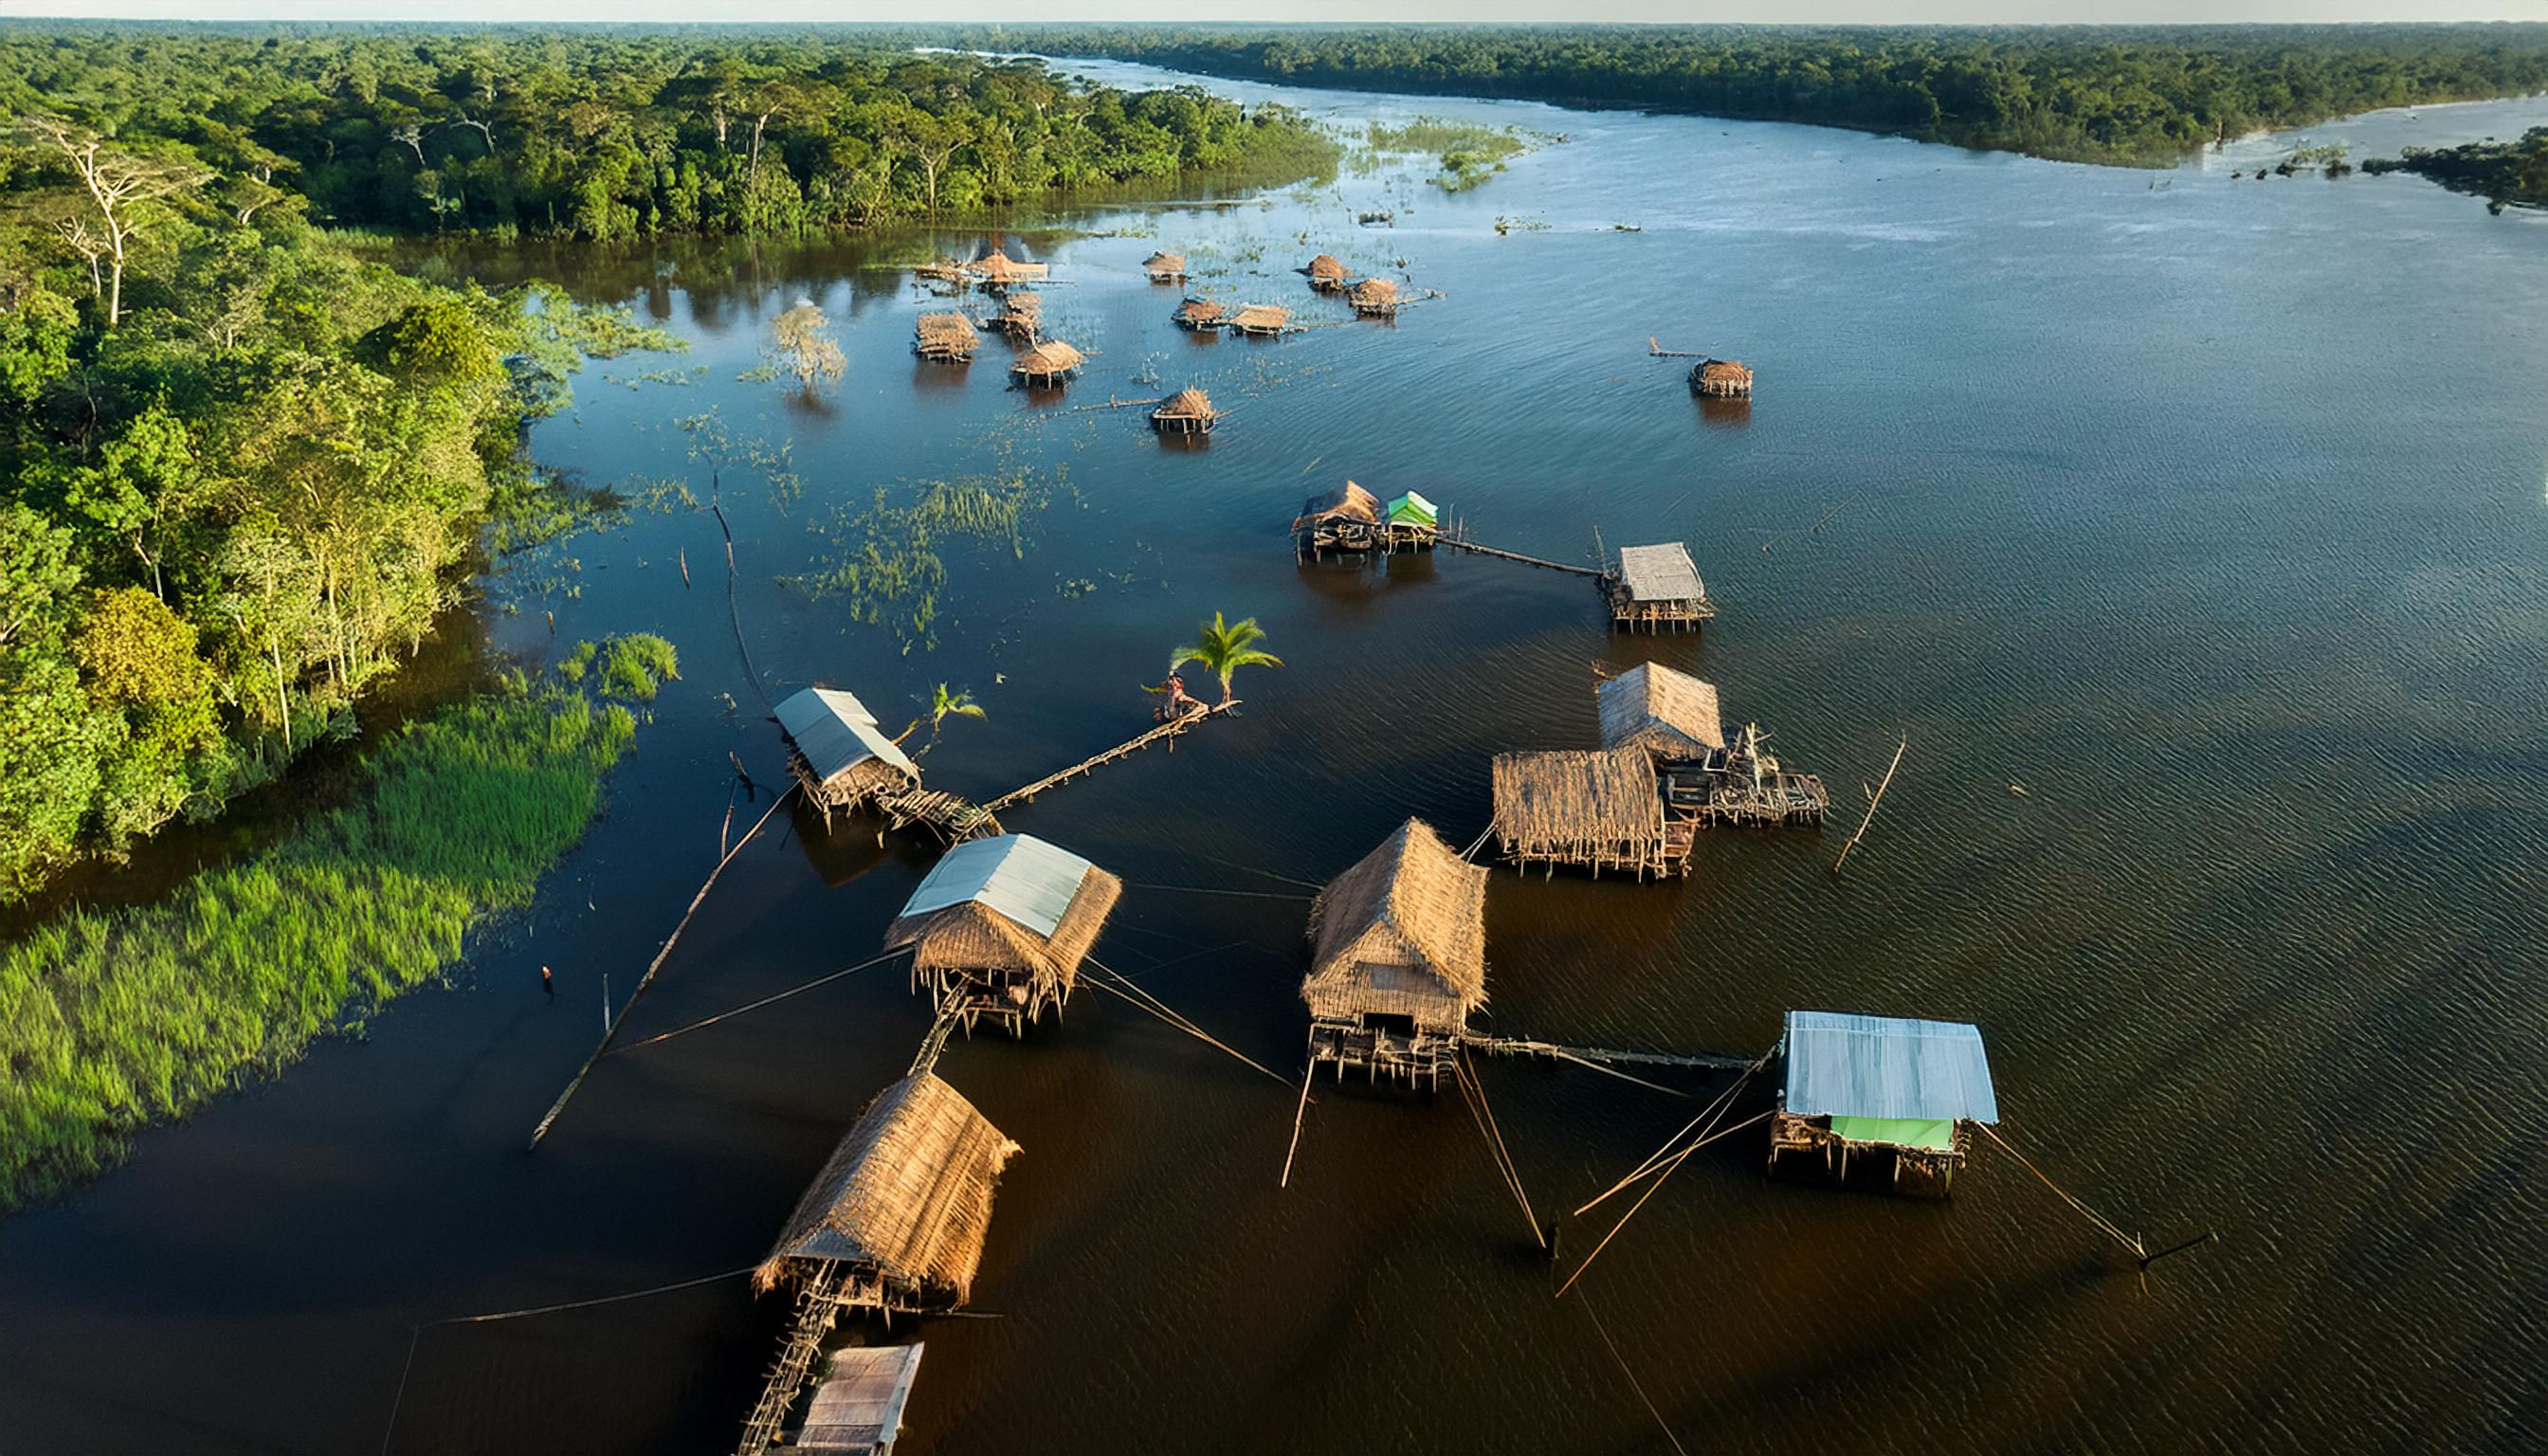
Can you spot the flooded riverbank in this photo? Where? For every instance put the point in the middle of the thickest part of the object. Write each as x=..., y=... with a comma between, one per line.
x=2192, y=530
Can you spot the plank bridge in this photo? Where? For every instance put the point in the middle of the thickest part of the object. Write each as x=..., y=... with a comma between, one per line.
x=1167, y=730
x=818, y=1308
x=1462, y=543
x=1526, y=1046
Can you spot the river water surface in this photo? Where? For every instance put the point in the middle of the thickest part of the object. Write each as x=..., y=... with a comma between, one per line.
x=2192, y=531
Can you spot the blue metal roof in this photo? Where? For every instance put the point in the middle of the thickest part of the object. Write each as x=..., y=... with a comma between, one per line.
x=1881, y=1067
x=1023, y=877
x=835, y=731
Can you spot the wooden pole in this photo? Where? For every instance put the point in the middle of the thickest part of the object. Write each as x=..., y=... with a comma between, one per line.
x=1297, y=1115
x=1870, y=806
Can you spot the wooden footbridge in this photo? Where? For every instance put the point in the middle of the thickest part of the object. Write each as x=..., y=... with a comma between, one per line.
x=1463, y=543
x=1528, y=1047
x=1167, y=730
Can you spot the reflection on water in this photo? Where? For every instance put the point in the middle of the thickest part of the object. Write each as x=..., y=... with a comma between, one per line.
x=2223, y=815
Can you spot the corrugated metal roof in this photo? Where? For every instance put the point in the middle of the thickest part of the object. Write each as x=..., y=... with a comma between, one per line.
x=1660, y=572
x=1019, y=876
x=1881, y=1067
x=835, y=731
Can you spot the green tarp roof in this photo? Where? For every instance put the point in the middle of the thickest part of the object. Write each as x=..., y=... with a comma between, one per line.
x=1412, y=509
x=1937, y=1133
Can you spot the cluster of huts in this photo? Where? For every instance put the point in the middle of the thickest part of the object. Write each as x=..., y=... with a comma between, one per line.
x=1352, y=520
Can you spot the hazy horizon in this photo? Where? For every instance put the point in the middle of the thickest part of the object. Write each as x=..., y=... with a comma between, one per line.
x=1480, y=12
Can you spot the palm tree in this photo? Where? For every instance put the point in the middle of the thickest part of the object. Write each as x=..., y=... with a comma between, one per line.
x=944, y=704
x=1223, y=647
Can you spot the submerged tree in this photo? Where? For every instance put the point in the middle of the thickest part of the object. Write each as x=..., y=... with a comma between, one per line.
x=801, y=339
x=1223, y=647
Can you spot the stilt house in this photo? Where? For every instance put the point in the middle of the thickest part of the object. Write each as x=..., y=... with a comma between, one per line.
x=999, y=928
x=1165, y=267
x=1721, y=379
x=1655, y=587
x=1326, y=275
x=1343, y=519
x=836, y=752
x=947, y=337
x=1374, y=298
x=1188, y=412
x=1048, y=365
x=1890, y=1094
x=1599, y=811
x=1020, y=314
x=1200, y=314
x=1399, y=959
x=999, y=271
x=1409, y=524
x=1261, y=320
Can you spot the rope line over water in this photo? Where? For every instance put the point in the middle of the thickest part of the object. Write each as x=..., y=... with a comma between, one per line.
x=709, y=1021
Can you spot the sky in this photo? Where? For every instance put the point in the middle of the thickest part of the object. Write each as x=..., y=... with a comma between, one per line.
x=1870, y=12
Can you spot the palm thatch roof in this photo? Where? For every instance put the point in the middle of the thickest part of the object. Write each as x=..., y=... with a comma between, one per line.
x=1000, y=268
x=1401, y=933
x=1374, y=296
x=1573, y=800
x=1186, y=404
x=1200, y=314
x=1326, y=269
x=944, y=269
x=1048, y=359
x=1721, y=372
x=1165, y=265
x=947, y=335
x=1669, y=714
x=1348, y=501
x=1261, y=318
x=1010, y=903
x=906, y=1193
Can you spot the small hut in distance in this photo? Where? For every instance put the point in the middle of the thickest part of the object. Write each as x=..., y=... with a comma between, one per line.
x=1165, y=267
x=1048, y=365
x=1399, y=959
x=1374, y=298
x=947, y=337
x=1200, y=314
x=1188, y=412
x=896, y=1219
x=1721, y=379
x=838, y=754
x=1654, y=586
x=1670, y=714
x=1707, y=778
x=1020, y=314
x=1261, y=320
x=999, y=271
x=1000, y=926
x=1905, y=1092
x=1343, y=520
x=1326, y=275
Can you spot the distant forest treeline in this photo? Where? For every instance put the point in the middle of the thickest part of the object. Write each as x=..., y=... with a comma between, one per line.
x=2102, y=94
x=607, y=133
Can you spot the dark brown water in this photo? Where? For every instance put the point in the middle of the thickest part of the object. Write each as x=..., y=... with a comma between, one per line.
x=2210, y=514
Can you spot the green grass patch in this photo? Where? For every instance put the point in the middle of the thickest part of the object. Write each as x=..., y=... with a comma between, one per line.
x=1471, y=154
x=884, y=562
x=112, y=1022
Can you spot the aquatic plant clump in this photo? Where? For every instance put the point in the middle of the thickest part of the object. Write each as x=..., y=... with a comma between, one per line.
x=887, y=565
x=111, y=1022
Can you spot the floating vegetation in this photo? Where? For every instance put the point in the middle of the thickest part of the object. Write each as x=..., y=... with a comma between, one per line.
x=884, y=562
x=682, y=376
x=1471, y=154
x=757, y=374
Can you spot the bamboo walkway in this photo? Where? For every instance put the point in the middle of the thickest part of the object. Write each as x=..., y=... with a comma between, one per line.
x=1458, y=543
x=954, y=818
x=818, y=1308
x=1166, y=730
x=1525, y=1046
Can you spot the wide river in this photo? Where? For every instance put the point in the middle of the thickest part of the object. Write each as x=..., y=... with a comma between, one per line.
x=2194, y=531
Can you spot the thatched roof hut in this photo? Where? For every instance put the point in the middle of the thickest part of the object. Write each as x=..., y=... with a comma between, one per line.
x=1000, y=926
x=1326, y=275
x=1603, y=810
x=1670, y=714
x=904, y=1203
x=1656, y=584
x=1021, y=313
x=1344, y=518
x=1187, y=412
x=1721, y=379
x=1262, y=319
x=1374, y=298
x=944, y=269
x=1202, y=313
x=1165, y=267
x=837, y=751
x=950, y=337
x=999, y=270
x=1048, y=363
x=1400, y=934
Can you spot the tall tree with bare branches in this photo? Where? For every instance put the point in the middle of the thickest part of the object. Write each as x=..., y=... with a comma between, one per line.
x=122, y=186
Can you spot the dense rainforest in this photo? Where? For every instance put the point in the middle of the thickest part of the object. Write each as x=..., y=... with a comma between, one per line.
x=2504, y=173
x=2102, y=94
x=242, y=469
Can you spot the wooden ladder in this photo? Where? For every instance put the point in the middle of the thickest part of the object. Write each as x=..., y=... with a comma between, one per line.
x=818, y=1307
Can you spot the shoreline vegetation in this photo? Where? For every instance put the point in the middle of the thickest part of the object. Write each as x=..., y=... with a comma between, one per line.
x=2505, y=173
x=248, y=468
x=112, y=1022
x=2117, y=95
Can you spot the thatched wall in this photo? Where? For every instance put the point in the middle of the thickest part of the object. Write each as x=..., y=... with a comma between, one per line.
x=907, y=1192
x=1401, y=933
x=1348, y=503
x=1573, y=804
x=971, y=936
x=1670, y=714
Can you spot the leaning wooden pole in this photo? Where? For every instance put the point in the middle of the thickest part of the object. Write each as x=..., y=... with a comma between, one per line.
x=1297, y=1115
x=611, y=1031
x=1870, y=806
